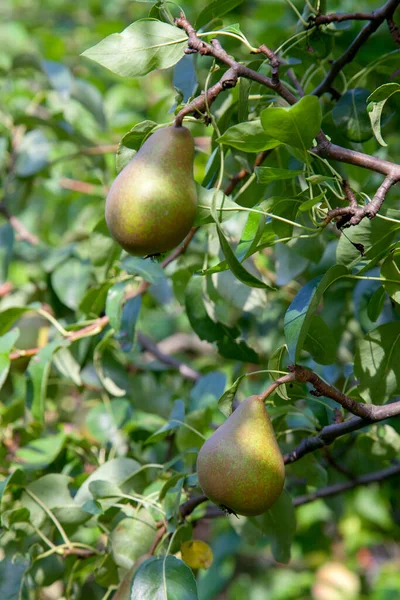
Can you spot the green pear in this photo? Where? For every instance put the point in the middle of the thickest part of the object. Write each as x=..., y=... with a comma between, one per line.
x=240, y=466
x=151, y=206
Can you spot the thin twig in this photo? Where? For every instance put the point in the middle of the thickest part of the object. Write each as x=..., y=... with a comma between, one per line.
x=184, y=370
x=339, y=488
x=378, y=17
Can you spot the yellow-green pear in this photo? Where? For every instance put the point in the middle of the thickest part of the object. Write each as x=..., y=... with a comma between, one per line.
x=240, y=467
x=151, y=206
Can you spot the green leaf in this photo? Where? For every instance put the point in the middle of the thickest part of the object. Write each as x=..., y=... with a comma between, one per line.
x=142, y=47
x=7, y=342
x=6, y=250
x=320, y=341
x=391, y=270
x=12, y=570
x=236, y=267
x=130, y=315
x=268, y=174
x=378, y=98
x=111, y=387
x=251, y=236
x=40, y=453
x=310, y=469
x=216, y=8
x=350, y=115
x=70, y=281
x=227, y=398
x=295, y=126
x=206, y=199
x=104, y=422
x=279, y=524
x=147, y=268
x=38, y=371
x=278, y=362
x=17, y=477
x=33, y=153
x=248, y=137
x=375, y=304
x=132, y=536
x=117, y=470
x=207, y=390
x=212, y=331
x=53, y=492
x=114, y=302
x=302, y=309
x=132, y=141
x=176, y=418
x=377, y=363
x=166, y=578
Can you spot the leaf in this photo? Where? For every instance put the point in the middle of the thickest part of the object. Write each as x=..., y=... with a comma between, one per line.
x=248, y=137
x=377, y=363
x=52, y=491
x=130, y=315
x=350, y=115
x=279, y=524
x=216, y=8
x=132, y=536
x=320, y=342
x=144, y=46
x=33, y=153
x=236, y=267
x=147, y=268
x=12, y=570
x=103, y=422
x=90, y=97
x=375, y=304
x=278, y=362
x=378, y=98
x=6, y=250
x=132, y=141
x=40, y=453
x=295, y=126
x=185, y=79
x=212, y=331
x=207, y=390
x=163, y=578
x=60, y=77
x=227, y=398
x=7, y=342
x=268, y=174
x=110, y=385
x=391, y=270
x=310, y=469
x=114, y=302
x=38, y=372
x=176, y=418
x=70, y=281
x=117, y=470
x=205, y=201
x=251, y=236
x=17, y=477
x=196, y=554
x=298, y=316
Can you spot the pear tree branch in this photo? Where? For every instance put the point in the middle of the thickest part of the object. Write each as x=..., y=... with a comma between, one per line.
x=353, y=214
x=375, y=21
x=339, y=488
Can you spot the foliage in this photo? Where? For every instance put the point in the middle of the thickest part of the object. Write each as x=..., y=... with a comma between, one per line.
x=115, y=369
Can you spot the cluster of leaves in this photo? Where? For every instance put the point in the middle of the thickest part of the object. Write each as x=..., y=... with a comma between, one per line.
x=99, y=438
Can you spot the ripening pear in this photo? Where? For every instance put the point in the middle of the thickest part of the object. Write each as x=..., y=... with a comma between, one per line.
x=240, y=466
x=151, y=206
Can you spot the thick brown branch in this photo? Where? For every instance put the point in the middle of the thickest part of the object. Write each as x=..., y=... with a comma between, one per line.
x=379, y=16
x=339, y=488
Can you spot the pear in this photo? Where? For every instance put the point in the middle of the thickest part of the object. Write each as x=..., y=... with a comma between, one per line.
x=240, y=466
x=151, y=206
